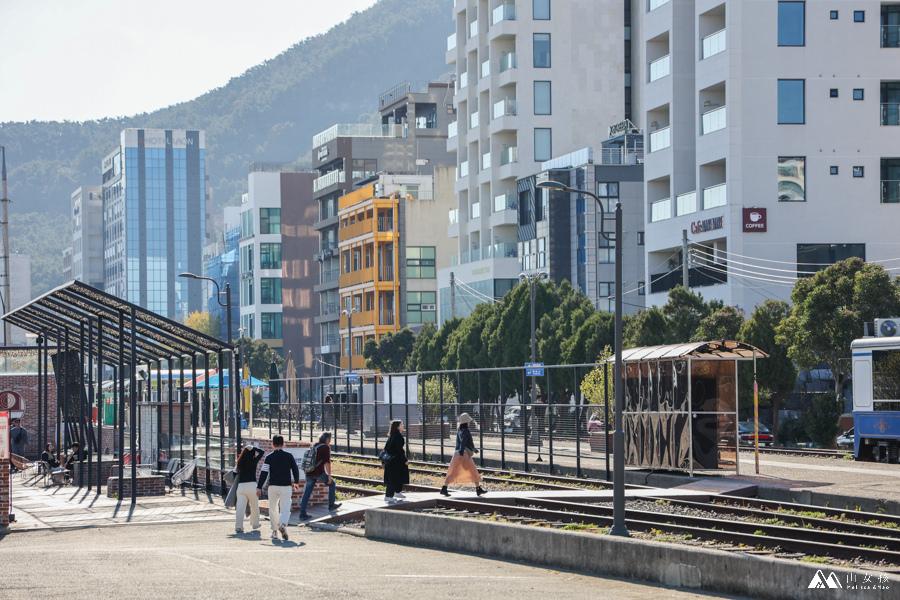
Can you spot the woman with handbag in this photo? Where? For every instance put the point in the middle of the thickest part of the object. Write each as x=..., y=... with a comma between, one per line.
x=396, y=464
x=245, y=481
x=462, y=468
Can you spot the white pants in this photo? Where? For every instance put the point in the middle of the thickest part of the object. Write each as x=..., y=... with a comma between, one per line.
x=246, y=492
x=279, y=505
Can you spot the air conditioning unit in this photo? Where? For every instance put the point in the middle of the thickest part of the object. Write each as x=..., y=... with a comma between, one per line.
x=887, y=327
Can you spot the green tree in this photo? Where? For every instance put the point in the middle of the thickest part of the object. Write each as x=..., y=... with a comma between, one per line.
x=647, y=328
x=776, y=375
x=684, y=312
x=204, y=322
x=829, y=311
x=390, y=354
x=823, y=419
x=257, y=355
x=430, y=347
x=723, y=324
x=434, y=396
x=597, y=387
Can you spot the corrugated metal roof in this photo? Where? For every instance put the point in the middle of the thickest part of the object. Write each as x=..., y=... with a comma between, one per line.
x=724, y=349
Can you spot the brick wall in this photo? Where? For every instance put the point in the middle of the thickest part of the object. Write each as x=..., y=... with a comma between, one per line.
x=81, y=470
x=148, y=485
x=4, y=495
x=26, y=385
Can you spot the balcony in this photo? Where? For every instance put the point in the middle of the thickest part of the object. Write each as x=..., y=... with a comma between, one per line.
x=504, y=108
x=713, y=43
x=654, y=4
x=385, y=224
x=451, y=42
x=659, y=68
x=713, y=120
x=464, y=169
x=660, y=139
x=505, y=202
x=476, y=210
x=485, y=161
x=661, y=210
x=453, y=215
x=463, y=80
x=360, y=319
x=508, y=61
x=504, y=12
x=330, y=308
x=473, y=120
x=509, y=155
x=890, y=191
x=386, y=317
x=485, y=68
x=890, y=113
x=890, y=36
x=496, y=251
x=356, y=130
x=714, y=196
x=473, y=29
x=329, y=179
x=621, y=156
x=451, y=129
x=386, y=273
x=329, y=275
x=686, y=204
x=357, y=277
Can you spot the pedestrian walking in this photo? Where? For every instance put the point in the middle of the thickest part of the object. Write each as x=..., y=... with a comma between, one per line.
x=280, y=469
x=462, y=468
x=18, y=439
x=396, y=464
x=246, y=486
x=321, y=472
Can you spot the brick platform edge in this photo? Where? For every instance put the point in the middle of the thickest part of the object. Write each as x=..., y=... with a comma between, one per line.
x=4, y=496
x=148, y=485
x=671, y=565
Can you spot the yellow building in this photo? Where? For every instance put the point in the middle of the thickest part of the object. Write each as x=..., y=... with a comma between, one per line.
x=368, y=243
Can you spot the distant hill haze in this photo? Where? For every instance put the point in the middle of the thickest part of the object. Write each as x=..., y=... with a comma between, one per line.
x=269, y=113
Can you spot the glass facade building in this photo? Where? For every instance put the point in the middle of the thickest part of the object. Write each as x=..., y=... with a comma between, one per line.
x=154, y=202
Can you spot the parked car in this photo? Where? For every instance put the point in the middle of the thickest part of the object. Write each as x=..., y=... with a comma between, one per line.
x=847, y=439
x=747, y=430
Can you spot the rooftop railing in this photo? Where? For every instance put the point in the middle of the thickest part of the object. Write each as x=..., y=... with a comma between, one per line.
x=356, y=130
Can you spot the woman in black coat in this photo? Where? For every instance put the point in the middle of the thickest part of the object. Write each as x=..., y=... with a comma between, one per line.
x=396, y=469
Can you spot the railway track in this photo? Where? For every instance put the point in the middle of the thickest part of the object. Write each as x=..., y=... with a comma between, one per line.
x=803, y=452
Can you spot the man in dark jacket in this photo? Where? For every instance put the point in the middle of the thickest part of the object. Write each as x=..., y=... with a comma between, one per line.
x=280, y=468
x=321, y=473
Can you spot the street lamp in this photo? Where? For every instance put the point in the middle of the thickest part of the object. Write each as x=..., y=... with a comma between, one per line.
x=531, y=278
x=618, y=527
x=227, y=307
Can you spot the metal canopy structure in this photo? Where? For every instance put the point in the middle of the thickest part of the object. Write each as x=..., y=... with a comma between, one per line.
x=94, y=332
x=726, y=350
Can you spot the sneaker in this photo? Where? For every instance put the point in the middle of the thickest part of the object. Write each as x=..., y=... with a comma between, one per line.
x=334, y=506
x=257, y=526
x=303, y=516
x=239, y=531
x=283, y=531
x=389, y=500
x=274, y=535
x=400, y=495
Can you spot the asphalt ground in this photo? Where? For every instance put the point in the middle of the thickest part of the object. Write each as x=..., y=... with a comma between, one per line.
x=207, y=560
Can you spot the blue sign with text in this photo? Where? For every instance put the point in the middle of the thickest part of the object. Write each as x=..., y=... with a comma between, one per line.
x=534, y=369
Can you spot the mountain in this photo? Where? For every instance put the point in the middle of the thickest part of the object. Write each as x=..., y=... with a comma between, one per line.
x=270, y=112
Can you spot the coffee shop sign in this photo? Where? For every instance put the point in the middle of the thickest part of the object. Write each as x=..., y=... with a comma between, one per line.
x=707, y=225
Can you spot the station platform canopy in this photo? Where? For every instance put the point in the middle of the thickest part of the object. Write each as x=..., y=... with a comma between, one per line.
x=726, y=349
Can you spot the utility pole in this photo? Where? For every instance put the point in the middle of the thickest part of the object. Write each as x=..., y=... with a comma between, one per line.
x=452, y=295
x=685, y=273
x=5, y=226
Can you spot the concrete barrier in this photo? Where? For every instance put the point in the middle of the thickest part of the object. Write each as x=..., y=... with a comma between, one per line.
x=674, y=565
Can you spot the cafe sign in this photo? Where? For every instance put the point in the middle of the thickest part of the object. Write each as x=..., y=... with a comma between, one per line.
x=707, y=225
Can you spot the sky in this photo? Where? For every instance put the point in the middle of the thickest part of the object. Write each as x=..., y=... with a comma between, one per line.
x=87, y=59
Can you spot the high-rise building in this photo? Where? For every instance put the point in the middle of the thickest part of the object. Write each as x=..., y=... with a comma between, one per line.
x=154, y=219
x=276, y=191
x=411, y=139
x=221, y=258
x=87, y=236
x=773, y=138
x=534, y=79
x=20, y=292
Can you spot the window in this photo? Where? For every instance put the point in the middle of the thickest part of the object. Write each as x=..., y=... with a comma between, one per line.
x=345, y=259
x=608, y=193
x=791, y=179
x=579, y=205
x=859, y=16
x=642, y=288
x=542, y=253
x=606, y=251
x=420, y=307
x=606, y=290
x=270, y=256
x=791, y=101
x=247, y=292
x=542, y=98
x=834, y=15
x=247, y=325
x=247, y=224
x=859, y=171
x=363, y=167
x=270, y=290
x=833, y=170
x=420, y=262
x=816, y=257
x=833, y=93
x=543, y=196
x=246, y=258
x=270, y=326
x=541, y=10
x=890, y=180
x=270, y=220
x=640, y=238
x=526, y=256
x=791, y=23
x=541, y=50
x=543, y=147
x=858, y=94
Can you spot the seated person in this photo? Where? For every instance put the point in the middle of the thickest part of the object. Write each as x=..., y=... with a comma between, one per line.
x=73, y=458
x=48, y=457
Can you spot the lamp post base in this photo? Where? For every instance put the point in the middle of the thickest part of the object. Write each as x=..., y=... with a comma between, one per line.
x=619, y=530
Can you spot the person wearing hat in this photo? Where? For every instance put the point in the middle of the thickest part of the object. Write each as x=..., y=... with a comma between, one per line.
x=462, y=468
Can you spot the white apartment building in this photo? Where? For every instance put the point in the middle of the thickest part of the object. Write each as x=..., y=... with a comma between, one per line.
x=87, y=235
x=772, y=139
x=535, y=79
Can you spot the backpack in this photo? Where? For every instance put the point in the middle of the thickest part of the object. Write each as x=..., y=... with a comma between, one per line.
x=308, y=462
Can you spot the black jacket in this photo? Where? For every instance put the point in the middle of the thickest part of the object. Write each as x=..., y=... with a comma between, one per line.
x=395, y=471
x=247, y=471
x=279, y=468
x=464, y=440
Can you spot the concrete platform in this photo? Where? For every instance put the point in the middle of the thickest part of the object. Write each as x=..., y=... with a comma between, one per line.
x=723, y=486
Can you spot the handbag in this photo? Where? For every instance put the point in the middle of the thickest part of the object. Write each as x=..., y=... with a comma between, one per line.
x=385, y=458
x=229, y=477
x=231, y=498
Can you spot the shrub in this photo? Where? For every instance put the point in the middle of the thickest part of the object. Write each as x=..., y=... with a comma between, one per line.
x=823, y=419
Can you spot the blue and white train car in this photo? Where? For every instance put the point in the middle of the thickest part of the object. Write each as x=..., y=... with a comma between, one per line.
x=876, y=395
